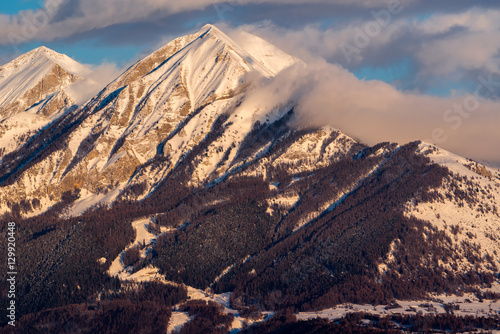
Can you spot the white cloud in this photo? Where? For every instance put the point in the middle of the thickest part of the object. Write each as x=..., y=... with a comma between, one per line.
x=99, y=77
x=469, y=51
x=431, y=40
x=374, y=111
x=475, y=20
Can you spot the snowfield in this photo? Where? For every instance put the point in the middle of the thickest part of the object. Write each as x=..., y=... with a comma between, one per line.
x=467, y=305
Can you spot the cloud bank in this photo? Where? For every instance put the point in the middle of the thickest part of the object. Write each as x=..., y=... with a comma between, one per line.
x=373, y=111
x=447, y=49
x=456, y=47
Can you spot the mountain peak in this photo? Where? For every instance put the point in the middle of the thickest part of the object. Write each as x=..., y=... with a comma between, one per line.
x=201, y=50
x=34, y=77
x=43, y=54
x=209, y=26
x=210, y=29
x=42, y=50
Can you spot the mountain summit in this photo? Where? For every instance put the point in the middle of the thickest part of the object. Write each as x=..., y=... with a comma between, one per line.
x=35, y=79
x=252, y=53
x=33, y=93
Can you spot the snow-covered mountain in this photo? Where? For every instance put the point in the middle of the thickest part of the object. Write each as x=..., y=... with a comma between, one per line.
x=466, y=209
x=225, y=194
x=36, y=79
x=184, y=103
x=32, y=94
x=164, y=105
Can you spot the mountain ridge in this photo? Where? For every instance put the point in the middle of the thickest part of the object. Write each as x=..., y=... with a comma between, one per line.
x=143, y=105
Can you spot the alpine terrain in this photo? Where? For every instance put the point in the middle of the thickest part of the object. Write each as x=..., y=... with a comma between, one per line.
x=32, y=94
x=173, y=201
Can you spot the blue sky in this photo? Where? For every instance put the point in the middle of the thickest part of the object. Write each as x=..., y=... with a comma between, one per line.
x=13, y=7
